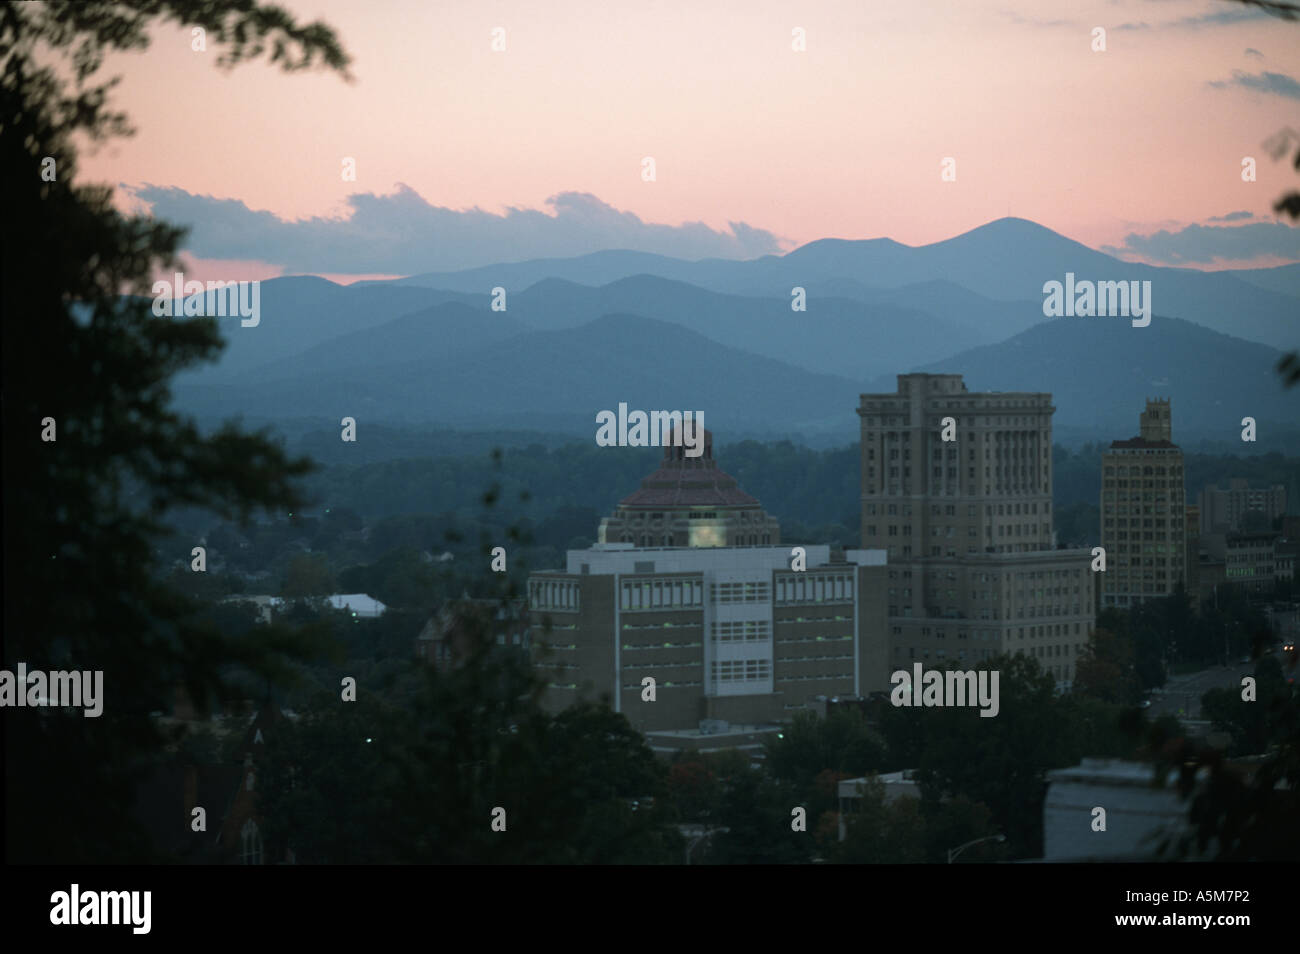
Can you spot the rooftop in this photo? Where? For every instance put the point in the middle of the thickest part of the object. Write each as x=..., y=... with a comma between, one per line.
x=603, y=559
x=1141, y=443
x=683, y=481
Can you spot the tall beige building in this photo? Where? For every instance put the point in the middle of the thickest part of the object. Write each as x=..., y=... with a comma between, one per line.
x=967, y=525
x=1143, y=513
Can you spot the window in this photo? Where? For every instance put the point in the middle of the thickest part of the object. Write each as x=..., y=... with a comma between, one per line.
x=742, y=670
x=250, y=844
x=740, y=630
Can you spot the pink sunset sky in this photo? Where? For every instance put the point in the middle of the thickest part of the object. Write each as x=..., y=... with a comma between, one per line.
x=466, y=156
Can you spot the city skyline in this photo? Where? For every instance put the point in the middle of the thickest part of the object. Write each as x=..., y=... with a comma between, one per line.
x=447, y=569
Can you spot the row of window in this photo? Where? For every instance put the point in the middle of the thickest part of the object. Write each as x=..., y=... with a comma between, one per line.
x=938, y=473
x=1041, y=630
x=972, y=510
x=669, y=625
x=946, y=490
x=557, y=595
x=818, y=677
x=633, y=647
x=741, y=670
x=814, y=639
x=1146, y=471
x=940, y=653
x=958, y=410
x=1168, y=518
x=741, y=630
x=664, y=664
x=799, y=659
x=796, y=588
x=757, y=592
x=637, y=595
x=1020, y=437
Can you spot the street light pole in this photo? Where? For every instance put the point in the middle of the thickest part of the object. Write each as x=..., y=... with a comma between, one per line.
x=954, y=852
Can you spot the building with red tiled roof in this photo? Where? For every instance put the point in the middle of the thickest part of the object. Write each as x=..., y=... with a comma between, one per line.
x=690, y=502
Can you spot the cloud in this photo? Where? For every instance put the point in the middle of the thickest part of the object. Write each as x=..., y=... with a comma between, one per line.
x=1278, y=84
x=1232, y=217
x=1214, y=19
x=403, y=234
x=1022, y=20
x=1207, y=244
x=1251, y=51
x=1224, y=17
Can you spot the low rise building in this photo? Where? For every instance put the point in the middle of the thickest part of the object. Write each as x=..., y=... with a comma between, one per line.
x=447, y=637
x=1248, y=558
x=1223, y=509
x=1136, y=812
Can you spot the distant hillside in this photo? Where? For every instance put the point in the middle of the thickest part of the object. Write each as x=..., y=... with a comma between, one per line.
x=299, y=312
x=834, y=335
x=556, y=381
x=426, y=336
x=1284, y=279
x=453, y=365
x=837, y=336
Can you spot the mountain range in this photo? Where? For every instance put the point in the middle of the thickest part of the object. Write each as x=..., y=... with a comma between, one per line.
x=721, y=337
x=1007, y=260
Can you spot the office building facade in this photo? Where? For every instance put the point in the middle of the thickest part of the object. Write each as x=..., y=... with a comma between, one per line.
x=1222, y=509
x=727, y=634
x=967, y=525
x=1143, y=513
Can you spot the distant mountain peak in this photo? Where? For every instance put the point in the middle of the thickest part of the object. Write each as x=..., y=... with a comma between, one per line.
x=1014, y=229
x=302, y=281
x=835, y=244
